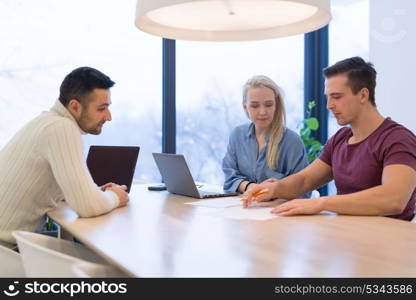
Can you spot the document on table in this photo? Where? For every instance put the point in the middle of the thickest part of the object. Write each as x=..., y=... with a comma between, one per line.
x=222, y=202
x=233, y=209
x=240, y=213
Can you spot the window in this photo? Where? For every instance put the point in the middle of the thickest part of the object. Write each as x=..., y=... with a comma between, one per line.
x=210, y=77
x=349, y=35
x=46, y=39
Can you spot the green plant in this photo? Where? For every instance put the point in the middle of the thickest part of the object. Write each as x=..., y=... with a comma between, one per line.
x=311, y=124
x=49, y=225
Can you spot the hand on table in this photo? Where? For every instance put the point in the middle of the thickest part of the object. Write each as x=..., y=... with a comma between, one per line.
x=300, y=207
x=120, y=190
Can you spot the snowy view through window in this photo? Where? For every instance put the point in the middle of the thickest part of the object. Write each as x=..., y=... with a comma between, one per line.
x=43, y=40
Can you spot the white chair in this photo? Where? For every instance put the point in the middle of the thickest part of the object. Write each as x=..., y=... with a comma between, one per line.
x=10, y=263
x=413, y=220
x=45, y=256
x=92, y=270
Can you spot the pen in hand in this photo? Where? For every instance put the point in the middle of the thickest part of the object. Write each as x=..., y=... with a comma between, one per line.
x=256, y=194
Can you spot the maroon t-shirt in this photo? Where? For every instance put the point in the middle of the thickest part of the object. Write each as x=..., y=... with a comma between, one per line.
x=359, y=166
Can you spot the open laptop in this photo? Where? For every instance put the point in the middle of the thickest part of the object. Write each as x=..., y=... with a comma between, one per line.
x=112, y=164
x=178, y=178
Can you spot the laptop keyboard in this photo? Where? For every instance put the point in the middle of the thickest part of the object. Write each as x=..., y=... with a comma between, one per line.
x=206, y=194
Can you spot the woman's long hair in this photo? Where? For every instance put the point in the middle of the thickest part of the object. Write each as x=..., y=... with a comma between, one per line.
x=278, y=125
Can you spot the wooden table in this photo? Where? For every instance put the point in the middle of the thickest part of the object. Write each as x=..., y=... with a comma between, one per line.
x=157, y=235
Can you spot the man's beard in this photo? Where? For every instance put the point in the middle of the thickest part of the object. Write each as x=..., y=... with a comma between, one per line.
x=95, y=130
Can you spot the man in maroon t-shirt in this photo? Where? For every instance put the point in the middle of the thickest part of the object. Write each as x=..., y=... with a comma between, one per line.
x=373, y=161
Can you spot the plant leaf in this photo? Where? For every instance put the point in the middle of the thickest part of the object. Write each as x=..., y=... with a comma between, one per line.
x=312, y=123
x=305, y=132
x=311, y=105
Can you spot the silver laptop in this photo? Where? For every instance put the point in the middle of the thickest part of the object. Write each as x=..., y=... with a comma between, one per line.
x=178, y=178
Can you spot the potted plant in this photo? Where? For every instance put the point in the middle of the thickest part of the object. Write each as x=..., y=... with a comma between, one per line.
x=50, y=228
x=311, y=124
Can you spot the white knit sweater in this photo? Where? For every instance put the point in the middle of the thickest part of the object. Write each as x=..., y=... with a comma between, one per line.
x=42, y=164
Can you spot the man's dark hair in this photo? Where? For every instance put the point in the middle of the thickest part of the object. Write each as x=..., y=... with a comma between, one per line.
x=360, y=75
x=80, y=83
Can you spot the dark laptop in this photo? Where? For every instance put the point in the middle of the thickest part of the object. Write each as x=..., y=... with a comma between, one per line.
x=112, y=164
x=178, y=178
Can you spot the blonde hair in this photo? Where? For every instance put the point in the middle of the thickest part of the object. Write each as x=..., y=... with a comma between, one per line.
x=278, y=125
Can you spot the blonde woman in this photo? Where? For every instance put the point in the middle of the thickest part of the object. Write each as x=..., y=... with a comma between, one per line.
x=264, y=148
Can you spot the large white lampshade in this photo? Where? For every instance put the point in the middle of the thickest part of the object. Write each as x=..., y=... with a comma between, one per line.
x=230, y=20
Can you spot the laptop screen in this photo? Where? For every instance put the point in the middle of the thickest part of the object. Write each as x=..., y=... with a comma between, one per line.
x=112, y=164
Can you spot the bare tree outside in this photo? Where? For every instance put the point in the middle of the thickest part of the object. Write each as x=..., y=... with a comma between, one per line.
x=41, y=43
x=43, y=40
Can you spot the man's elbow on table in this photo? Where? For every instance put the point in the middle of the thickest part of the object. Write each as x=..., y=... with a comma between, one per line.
x=398, y=203
x=398, y=185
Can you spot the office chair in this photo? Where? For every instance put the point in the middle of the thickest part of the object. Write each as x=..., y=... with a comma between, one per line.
x=91, y=270
x=11, y=263
x=45, y=256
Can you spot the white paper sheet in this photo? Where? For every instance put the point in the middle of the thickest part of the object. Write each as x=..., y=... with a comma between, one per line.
x=222, y=202
x=257, y=212
x=232, y=208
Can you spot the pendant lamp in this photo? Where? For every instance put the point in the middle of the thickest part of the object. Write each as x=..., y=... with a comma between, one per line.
x=230, y=20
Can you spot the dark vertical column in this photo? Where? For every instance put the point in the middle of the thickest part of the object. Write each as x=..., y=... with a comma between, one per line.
x=316, y=58
x=169, y=97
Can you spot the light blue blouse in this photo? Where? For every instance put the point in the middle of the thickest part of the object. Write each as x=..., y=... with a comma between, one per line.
x=241, y=161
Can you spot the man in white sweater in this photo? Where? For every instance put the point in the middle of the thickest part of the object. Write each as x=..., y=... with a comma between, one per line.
x=43, y=163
